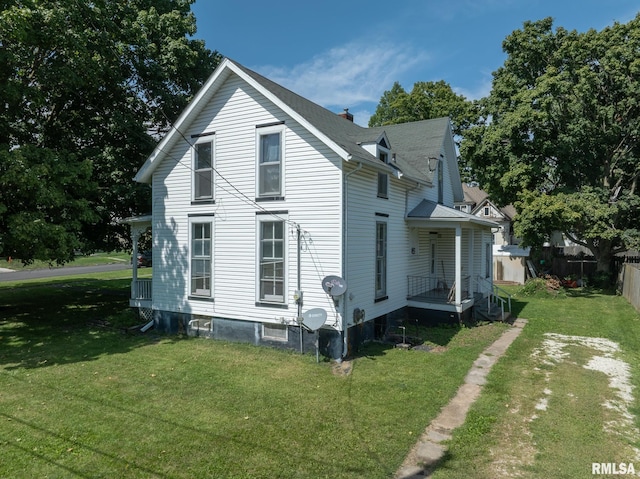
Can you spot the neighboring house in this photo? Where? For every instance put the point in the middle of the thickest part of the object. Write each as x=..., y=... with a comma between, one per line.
x=260, y=194
x=509, y=260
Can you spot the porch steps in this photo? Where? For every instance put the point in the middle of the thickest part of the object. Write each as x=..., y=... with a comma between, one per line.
x=492, y=312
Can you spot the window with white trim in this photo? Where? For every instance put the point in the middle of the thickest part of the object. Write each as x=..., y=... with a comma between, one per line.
x=381, y=259
x=201, y=271
x=383, y=185
x=487, y=259
x=203, y=164
x=275, y=332
x=270, y=152
x=271, y=268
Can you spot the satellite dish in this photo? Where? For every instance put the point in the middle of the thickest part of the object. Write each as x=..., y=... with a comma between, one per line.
x=334, y=285
x=314, y=318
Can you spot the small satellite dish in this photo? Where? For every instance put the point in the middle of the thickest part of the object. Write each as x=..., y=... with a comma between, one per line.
x=314, y=318
x=334, y=285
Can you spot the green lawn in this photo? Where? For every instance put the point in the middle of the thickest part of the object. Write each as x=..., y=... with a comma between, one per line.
x=545, y=414
x=80, y=400
x=89, y=260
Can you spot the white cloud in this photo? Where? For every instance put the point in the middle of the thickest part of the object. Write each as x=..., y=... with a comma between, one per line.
x=481, y=90
x=349, y=75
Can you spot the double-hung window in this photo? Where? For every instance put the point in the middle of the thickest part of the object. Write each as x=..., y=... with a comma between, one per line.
x=381, y=259
x=270, y=160
x=201, y=257
x=203, y=170
x=271, y=274
x=383, y=185
x=383, y=178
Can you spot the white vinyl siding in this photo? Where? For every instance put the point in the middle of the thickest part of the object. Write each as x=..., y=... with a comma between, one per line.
x=361, y=243
x=313, y=187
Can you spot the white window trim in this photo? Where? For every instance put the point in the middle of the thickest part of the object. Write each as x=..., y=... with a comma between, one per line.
x=382, y=292
x=385, y=179
x=267, y=218
x=208, y=139
x=199, y=220
x=268, y=130
x=275, y=326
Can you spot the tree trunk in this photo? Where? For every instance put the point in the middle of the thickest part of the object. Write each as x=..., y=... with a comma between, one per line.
x=603, y=254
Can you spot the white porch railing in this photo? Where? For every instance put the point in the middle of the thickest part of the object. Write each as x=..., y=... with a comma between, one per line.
x=493, y=295
x=432, y=289
x=141, y=288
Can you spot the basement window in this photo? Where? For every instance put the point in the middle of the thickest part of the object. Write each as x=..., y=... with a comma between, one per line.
x=275, y=332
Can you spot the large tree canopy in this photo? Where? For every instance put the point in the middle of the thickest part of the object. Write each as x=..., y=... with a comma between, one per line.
x=425, y=101
x=85, y=88
x=560, y=136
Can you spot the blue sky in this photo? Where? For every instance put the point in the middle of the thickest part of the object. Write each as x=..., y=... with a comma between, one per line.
x=346, y=53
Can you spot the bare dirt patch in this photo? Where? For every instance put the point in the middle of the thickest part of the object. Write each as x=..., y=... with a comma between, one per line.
x=518, y=445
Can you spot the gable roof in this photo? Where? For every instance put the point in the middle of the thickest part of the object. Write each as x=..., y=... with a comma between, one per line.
x=412, y=143
x=478, y=198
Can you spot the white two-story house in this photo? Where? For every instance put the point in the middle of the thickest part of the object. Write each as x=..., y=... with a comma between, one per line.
x=263, y=200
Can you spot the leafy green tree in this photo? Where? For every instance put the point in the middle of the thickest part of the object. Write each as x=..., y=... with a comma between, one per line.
x=86, y=88
x=560, y=135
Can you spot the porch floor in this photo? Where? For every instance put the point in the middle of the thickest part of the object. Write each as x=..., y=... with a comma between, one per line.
x=437, y=296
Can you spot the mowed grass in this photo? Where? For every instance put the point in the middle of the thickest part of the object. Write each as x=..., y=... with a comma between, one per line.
x=79, y=400
x=539, y=417
x=82, y=260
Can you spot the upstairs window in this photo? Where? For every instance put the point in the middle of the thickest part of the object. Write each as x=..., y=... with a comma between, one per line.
x=270, y=162
x=203, y=171
x=383, y=185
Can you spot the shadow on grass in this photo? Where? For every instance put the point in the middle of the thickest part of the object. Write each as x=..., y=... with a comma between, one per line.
x=43, y=324
x=414, y=334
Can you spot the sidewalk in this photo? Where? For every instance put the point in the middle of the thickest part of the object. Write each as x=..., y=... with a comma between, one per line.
x=423, y=459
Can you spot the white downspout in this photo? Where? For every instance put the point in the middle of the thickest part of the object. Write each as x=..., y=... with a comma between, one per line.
x=345, y=228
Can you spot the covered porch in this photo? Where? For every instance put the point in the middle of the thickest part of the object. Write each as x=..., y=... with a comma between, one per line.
x=141, y=288
x=451, y=258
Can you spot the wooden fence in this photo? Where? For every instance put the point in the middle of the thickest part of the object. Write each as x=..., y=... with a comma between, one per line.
x=629, y=283
x=582, y=266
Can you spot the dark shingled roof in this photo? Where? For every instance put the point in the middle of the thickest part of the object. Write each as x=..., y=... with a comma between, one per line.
x=413, y=143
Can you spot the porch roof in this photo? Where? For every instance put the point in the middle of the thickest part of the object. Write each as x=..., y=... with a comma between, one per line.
x=436, y=213
x=137, y=220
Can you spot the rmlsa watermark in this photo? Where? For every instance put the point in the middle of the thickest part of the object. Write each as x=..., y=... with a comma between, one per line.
x=613, y=468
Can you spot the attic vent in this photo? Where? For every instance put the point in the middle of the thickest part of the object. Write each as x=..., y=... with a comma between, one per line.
x=346, y=115
x=383, y=143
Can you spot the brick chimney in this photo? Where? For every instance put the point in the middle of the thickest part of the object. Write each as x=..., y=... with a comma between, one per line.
x=346, y=115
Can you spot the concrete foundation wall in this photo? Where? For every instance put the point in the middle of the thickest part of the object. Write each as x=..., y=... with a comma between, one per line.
x=329, y=340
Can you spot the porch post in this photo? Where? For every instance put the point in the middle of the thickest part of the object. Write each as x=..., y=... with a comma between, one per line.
x=470, y=257
x=136, y=232
x=458, y=264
